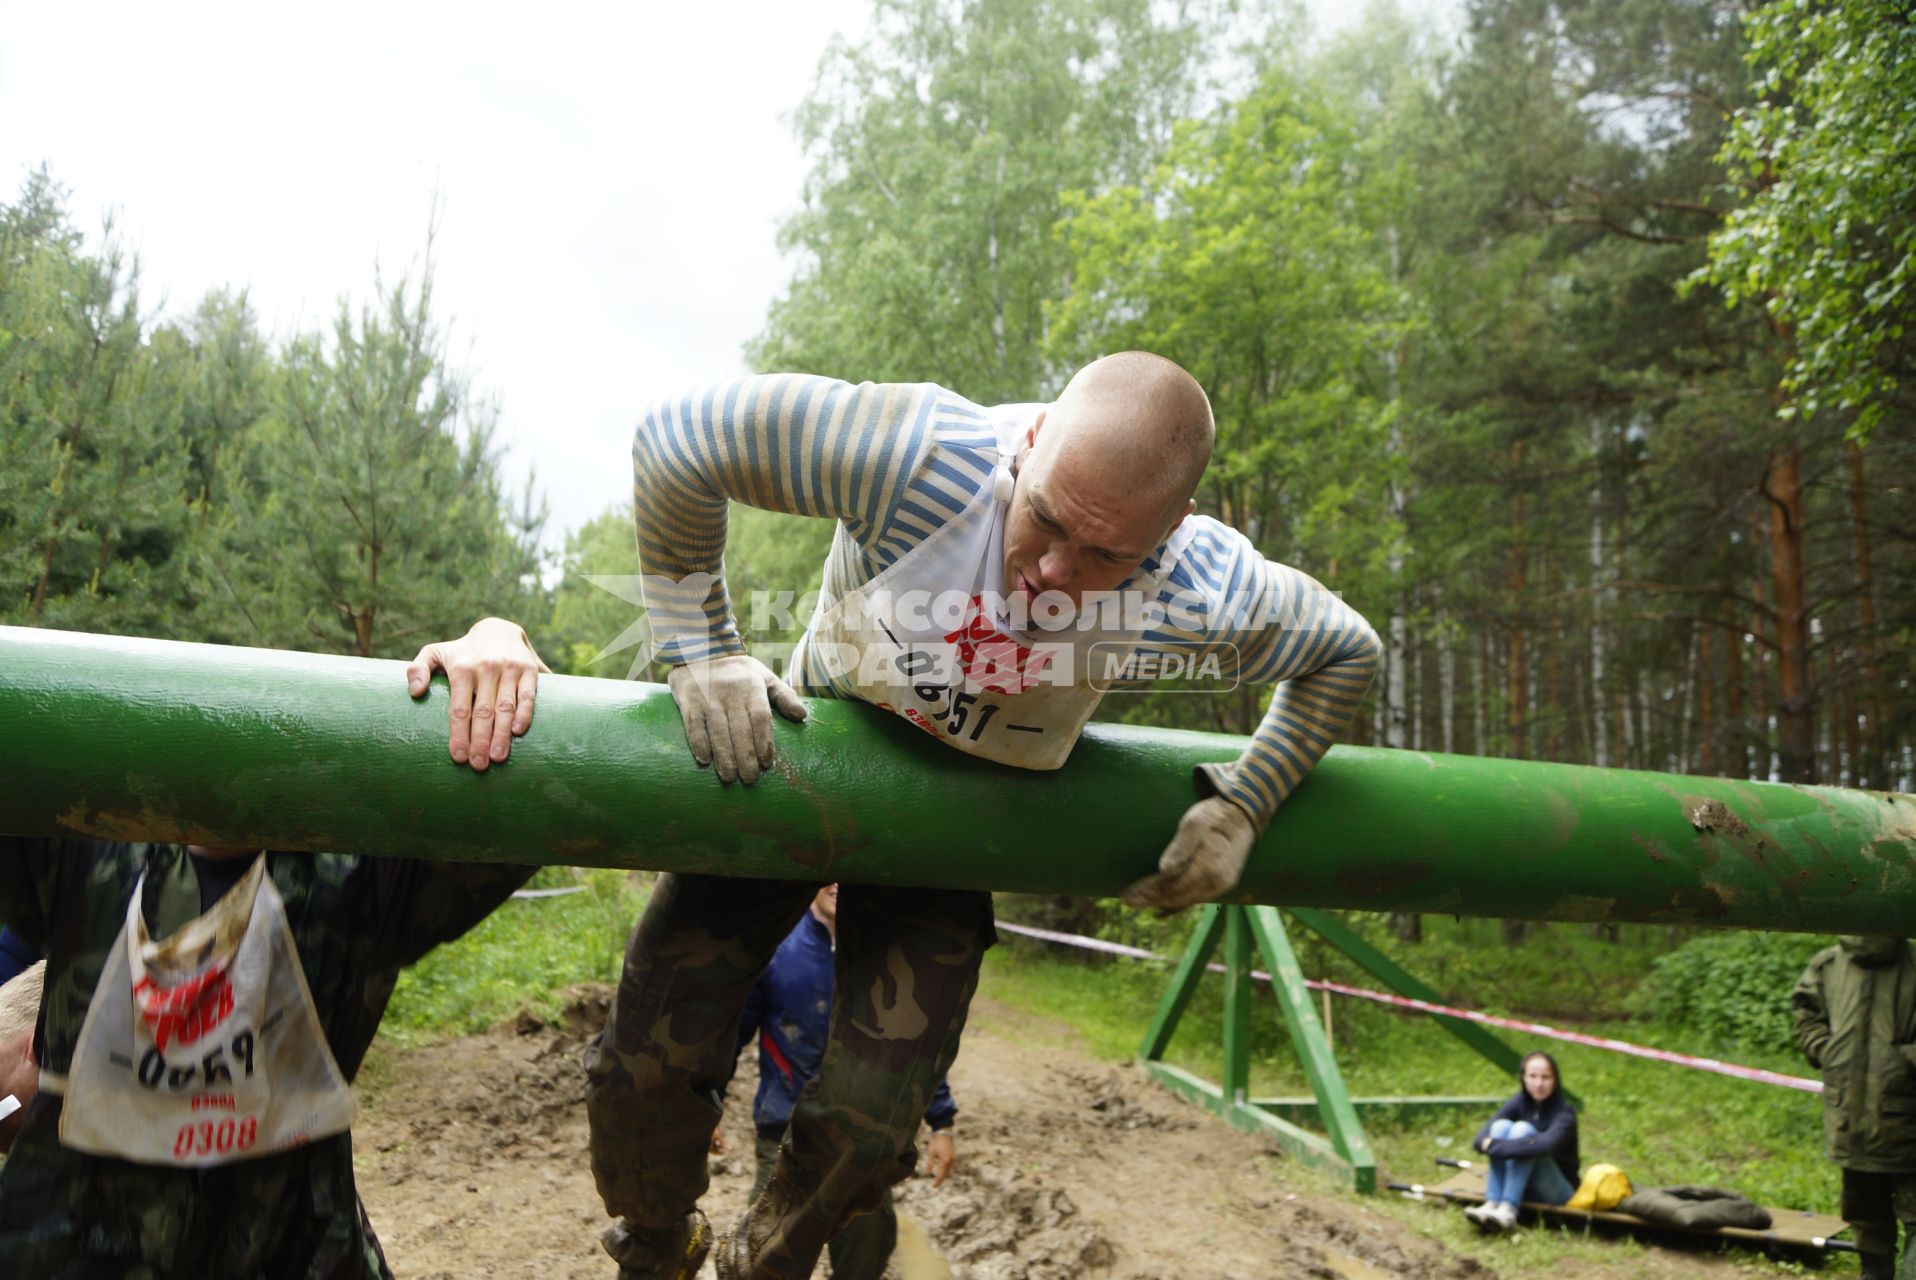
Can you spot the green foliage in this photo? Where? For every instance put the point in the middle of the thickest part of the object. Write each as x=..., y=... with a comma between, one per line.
x=943, y=148
x=597, y=604
x=378, y=523
x=92, y=460
x=1731, y=989
x=1826, y=244
x=1242, y=256
x=519, y=957
x=185, y=479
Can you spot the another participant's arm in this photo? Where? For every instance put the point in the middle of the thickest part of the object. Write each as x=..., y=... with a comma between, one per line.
x=941, y=1151
x=492, y=679
x=420, y=904
x=30, y=875
x=1542, y=1143
x=492, y=676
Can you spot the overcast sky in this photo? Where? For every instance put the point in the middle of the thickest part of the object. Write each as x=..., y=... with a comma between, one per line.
x=610, y=179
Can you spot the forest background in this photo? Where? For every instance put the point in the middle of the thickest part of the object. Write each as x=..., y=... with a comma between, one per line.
x=1574, y=350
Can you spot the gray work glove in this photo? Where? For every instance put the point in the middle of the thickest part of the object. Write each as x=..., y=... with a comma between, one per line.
x=726, y=704
x=1203, y=860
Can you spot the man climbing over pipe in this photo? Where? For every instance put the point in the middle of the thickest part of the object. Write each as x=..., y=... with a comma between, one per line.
x=1023, y=512
x=987, y=565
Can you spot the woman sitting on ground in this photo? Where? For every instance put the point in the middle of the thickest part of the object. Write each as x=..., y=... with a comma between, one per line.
x=1532, y=1145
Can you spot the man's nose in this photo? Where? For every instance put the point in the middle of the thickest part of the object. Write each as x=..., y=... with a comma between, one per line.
x=1057, y=566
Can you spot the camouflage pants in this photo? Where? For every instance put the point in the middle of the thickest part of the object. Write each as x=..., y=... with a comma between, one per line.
x=906, y=965
x=861, y=1250
x=1872, y=1203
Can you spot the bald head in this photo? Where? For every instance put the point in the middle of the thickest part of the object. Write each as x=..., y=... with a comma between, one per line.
x=1143, y=415
x=20, y=1002
x=1107, y=475
x=19, y=1077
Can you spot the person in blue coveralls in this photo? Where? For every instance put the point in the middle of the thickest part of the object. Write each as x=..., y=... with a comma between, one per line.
x=789, y=1011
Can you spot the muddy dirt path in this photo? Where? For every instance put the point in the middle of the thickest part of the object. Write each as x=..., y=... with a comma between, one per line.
x=472, y=1163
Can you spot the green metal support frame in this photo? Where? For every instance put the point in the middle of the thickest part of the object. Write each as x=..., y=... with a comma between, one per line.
x=1245, y=930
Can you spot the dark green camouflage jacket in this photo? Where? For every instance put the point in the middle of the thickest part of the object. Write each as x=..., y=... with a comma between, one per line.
x=1856, y=1021
x=355, y=921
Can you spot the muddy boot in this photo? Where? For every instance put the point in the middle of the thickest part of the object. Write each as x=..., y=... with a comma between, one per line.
x=740, y=1247
x=746, y=1252
x=675, y=1253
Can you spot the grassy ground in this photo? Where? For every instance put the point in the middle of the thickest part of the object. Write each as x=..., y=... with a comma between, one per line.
x=519, y=957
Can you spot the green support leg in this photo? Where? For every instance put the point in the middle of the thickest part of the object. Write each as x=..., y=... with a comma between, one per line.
x=1184, y=983
x=1236, y=1081
x=1334, y=1107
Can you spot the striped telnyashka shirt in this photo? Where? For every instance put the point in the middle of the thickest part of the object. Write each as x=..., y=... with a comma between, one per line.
x=892, y=463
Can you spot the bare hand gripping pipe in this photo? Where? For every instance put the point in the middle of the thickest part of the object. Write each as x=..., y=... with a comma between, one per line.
x=147, y=739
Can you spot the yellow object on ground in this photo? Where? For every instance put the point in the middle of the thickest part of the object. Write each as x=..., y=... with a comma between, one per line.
x=1603, y=1188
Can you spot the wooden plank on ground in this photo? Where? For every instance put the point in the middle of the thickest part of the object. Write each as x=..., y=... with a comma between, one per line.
x=1791, y=1228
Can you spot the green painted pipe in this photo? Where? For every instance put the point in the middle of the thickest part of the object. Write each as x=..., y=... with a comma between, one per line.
x=152, y=739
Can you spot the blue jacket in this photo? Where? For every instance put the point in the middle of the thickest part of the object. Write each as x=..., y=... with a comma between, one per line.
x=16, y=955
x=790, y=1011
x=1555, y=1122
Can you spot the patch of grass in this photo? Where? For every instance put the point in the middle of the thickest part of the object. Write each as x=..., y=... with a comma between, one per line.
x=1110, y=1005
x=519, y=957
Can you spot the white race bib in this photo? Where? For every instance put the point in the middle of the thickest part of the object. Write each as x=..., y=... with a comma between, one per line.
x=925, y=640
x=203, y=1048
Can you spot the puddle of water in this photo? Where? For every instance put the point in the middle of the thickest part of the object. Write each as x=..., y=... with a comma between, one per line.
x=1344, y=1265
x=915, y=1255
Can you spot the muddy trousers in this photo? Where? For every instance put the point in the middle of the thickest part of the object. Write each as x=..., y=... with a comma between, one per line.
x=1872, y=1204
x=859, y=1251
x=906, y=966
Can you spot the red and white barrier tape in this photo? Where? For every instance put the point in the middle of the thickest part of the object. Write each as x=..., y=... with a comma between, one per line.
x=1732, y=1069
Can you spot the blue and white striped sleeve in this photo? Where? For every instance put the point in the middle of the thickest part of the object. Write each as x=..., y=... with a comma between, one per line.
x=1289, y=630
x=783, y=442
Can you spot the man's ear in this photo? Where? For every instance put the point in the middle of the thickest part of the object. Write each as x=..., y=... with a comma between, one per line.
x=1190, y=505
x=1030, y=442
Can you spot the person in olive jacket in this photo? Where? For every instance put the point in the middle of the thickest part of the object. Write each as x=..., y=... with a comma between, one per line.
x=1855, y=1012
